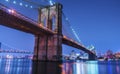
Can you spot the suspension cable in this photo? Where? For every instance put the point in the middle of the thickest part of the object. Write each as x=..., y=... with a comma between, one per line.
x=74, y=32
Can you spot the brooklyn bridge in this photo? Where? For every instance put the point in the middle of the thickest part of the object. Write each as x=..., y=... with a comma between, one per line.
x=47, y=30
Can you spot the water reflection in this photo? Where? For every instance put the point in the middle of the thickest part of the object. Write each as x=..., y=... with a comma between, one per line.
x=92, y=67
x=26, y=66
x=15, y=66
x=80, y=68
x=117, y=67
x=47, y=68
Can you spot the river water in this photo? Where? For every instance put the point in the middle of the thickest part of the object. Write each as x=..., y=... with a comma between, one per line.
x=27, y=66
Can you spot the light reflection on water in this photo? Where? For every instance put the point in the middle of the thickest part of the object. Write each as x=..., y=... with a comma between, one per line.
x=92, y=67
x=15, y=66
x=81, y=68
x=26, y=66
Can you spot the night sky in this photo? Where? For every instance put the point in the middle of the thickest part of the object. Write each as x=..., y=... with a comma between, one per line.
x=96, y=22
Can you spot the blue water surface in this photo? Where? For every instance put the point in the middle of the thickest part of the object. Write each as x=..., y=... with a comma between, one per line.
x=27, y=66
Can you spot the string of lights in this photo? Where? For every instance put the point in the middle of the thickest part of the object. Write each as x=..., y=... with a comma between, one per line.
x=19, y=3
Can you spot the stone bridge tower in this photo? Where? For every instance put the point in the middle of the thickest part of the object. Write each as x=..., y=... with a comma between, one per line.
x=49, y=47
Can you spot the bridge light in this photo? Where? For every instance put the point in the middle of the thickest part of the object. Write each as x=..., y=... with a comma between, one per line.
x=14, y=2
x=41, y=25
x=31, y=6
x=64, y=37
x=26, y=5
x=21, y=4
x=11, y=11
x=51, y=3
x=6, y=0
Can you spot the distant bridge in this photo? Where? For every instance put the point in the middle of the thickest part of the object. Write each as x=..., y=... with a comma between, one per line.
x=14, y=51
x=8, y=49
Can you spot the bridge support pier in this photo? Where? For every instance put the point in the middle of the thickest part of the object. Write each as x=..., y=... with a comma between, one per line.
x=91, y=57
x=48, y=48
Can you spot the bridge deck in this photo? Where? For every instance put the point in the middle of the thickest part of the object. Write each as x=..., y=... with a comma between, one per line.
x=76, y=45
x=20, y=22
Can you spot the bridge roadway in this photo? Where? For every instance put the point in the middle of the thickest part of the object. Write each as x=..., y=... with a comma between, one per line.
x=20, y=22
x=13, y=19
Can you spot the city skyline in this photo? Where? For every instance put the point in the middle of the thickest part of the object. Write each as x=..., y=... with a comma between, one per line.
x=95, y=22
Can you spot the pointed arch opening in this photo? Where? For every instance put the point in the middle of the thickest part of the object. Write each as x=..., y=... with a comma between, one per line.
x=53, y=22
